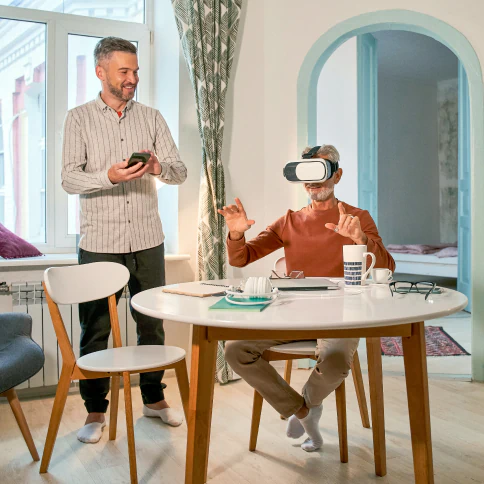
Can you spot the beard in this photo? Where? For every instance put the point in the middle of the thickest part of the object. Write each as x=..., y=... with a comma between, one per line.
x=322, y=195
x=118, y=93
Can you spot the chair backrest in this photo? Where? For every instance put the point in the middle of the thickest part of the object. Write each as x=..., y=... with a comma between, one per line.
x=86, y=282
x=78, y=284
x=280, y=265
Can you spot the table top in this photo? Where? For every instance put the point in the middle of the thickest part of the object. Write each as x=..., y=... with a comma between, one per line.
x=366, y=307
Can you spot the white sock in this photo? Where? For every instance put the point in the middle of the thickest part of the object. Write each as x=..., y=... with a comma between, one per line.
x=294, y=428
x=91, y=432
x=170, y=416
x=311, y=425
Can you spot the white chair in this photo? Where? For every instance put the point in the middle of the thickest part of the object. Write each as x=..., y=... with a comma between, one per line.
x=89, y=282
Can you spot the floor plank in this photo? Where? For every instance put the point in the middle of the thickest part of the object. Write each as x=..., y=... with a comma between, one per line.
x=457, y=430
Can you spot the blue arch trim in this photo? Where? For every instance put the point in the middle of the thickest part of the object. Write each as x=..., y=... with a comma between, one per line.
x=424, y=24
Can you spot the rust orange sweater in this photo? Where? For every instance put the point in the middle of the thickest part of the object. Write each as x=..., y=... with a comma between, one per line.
x=308, y=245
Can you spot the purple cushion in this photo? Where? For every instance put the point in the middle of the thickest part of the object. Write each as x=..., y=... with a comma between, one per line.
x=12, y=246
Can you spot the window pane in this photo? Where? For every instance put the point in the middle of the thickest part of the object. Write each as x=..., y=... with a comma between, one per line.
x=83, y=86
x=126, y=10
x=22, y=128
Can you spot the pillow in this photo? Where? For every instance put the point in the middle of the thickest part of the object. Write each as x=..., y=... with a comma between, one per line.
x=447, y=252
x=12, y=246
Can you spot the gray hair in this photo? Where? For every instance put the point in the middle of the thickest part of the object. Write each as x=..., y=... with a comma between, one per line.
x=106, y=47
x=327, y=151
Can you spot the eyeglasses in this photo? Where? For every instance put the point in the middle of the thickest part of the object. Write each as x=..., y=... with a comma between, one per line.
x=404, y=287
x=283, y=275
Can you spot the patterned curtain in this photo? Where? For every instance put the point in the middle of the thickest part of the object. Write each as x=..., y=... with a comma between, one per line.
x=208, y=31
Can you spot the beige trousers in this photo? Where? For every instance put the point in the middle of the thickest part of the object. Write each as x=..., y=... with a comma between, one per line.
x=331, y=369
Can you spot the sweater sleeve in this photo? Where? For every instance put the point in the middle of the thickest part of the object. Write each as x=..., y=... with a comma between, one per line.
x=242, y=253
x=375, y=242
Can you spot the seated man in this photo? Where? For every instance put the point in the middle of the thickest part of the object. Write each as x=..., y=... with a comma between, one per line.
x=313, y=240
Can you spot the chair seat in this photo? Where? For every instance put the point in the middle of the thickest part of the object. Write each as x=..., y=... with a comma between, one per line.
x=131, y=358
x=296, y=348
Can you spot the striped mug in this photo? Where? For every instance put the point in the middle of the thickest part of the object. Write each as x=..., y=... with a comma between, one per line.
x=354, y=262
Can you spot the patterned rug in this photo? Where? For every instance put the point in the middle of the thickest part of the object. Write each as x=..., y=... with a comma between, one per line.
x=438, y=343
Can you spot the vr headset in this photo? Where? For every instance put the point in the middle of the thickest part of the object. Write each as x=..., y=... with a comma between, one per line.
x=309, y=169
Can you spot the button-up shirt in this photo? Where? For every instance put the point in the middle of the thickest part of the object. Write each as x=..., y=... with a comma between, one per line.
x=117, y=218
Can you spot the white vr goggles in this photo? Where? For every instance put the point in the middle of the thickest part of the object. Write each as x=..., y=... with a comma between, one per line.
x=310, y=170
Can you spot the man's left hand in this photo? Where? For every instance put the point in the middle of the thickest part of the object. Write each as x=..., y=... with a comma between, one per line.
x=154, y=166
x=348, y=226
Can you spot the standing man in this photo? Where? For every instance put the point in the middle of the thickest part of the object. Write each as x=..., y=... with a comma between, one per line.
x=119, y=212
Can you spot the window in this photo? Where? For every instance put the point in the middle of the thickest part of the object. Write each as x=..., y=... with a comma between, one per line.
x=22, y=146
x=82, y=85
x=46, y=68
x=124, y=10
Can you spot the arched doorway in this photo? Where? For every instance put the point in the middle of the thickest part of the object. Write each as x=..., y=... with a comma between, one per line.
x=456, y=42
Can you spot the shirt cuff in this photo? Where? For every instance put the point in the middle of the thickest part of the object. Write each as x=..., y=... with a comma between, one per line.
x=235, y=244
x=370, y=245
x=164, y=168
x=105, y=181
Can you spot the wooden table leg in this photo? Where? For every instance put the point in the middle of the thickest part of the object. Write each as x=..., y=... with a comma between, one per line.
x=375, y=375
x=415, y=358
x=202, y=379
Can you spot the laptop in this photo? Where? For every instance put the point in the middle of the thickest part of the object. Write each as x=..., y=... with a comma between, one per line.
x=308, y=284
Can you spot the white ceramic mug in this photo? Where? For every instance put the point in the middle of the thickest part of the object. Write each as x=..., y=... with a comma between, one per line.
x=354, y=262
x=381, y=276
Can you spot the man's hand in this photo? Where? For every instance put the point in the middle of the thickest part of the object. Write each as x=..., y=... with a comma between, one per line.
x=120, y=173
x=154, y=166
x=349, y=226
x=236, y=220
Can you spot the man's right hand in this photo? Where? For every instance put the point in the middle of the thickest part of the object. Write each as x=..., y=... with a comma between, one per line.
x=120, y=173
x=236, y=220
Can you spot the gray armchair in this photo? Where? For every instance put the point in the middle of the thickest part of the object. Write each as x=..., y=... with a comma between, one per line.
x=20, y=359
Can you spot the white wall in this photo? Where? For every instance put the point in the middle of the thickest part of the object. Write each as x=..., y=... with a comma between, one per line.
x=408, y=163
x=261, y=121
x=337, y=116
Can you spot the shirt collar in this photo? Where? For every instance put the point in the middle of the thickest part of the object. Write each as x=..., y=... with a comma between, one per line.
x=104, y=107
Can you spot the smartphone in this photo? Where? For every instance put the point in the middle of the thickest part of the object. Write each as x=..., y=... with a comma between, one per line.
x=138, y=158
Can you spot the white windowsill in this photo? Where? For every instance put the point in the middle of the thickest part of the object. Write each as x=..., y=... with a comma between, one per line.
x=66, y=260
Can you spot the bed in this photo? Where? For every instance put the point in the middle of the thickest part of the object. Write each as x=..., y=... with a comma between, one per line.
x=416, y=259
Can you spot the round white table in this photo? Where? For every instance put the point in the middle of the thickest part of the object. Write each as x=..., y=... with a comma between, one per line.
x=370, y=312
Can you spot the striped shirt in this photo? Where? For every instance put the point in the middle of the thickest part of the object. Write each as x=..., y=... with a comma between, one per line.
x=119, y=218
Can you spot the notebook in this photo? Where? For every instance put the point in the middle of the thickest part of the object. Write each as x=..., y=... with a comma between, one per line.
x=224, y=305
x=196, y=289
x=308, y=284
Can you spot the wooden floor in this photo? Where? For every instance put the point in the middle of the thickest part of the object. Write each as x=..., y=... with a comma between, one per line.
x=457, y=429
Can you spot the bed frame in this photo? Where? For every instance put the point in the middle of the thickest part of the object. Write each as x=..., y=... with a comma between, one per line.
x=426, y=265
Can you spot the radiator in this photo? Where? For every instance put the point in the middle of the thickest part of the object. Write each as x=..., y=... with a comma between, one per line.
x=29, y=298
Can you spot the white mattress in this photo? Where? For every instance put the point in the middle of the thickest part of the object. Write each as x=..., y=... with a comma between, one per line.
x=426, y=265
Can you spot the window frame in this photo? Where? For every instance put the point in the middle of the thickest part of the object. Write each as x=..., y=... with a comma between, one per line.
x=58, y=27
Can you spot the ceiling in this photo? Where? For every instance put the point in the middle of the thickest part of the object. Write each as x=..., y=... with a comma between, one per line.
x=414, y=56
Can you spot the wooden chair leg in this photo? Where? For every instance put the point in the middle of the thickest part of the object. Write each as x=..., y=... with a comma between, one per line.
x=342, y=426
x=55, y=418
x=130, y=428
x=375, y=376
x=21, y=422
x=360, y=390
x=113, y=412
x=287, y=377
x=183, y=385
x=256, y=413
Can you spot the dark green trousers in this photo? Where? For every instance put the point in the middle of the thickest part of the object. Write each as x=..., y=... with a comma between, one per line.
x=147, y=270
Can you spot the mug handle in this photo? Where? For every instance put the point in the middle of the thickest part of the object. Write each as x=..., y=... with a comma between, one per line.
x=373, y=261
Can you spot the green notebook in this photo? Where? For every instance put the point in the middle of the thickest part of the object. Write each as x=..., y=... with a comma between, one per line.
x=224, y=305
